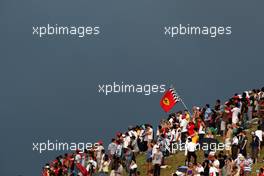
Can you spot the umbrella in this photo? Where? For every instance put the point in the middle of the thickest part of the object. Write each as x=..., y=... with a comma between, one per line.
x=182, y=169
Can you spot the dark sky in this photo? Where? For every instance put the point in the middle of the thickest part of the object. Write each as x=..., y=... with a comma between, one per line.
x=49, y=85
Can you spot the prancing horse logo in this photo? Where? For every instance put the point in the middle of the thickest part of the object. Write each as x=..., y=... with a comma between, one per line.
x=166, y=101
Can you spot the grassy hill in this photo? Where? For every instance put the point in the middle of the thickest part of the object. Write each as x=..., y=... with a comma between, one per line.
x=178, y=159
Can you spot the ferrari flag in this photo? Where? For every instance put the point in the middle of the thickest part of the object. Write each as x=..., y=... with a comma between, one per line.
x=168, y=100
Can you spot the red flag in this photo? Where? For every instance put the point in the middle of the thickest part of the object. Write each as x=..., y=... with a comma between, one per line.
x=168, y=100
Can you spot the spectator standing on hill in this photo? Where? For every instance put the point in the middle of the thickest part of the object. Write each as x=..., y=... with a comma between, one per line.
x=112, y=148
x=183, y=125
x=259, y=133
x=234, y=147
x=105, y=165
x=235, y=115
x=207, y=114
x=149, y=160
x=190, y=151
x=228, y=139
x=157, y=161
x=201, y=129
x=133, y=168
x=243, y=143
x=255, y=147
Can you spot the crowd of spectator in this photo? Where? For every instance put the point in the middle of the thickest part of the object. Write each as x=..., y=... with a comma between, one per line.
x=230, y=123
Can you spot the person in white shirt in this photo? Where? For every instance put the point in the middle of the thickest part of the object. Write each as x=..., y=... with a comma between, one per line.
x=173, y=134
x=179, y=116
x=171, y=120
x=201, y=129
x=216, y=164
x=132, y=132
x=92, y=165
x=78, y=156
x=157, y=162
x=99, y=153
x=127, y=141
x=199, y=169
x=159, y=129
x=183, y=126
x=148, y=134
x=190, y=150
x=235, y=115
x=213, y=170
x=154, y=148
x=234, y=147
x=119, y=149
x=259, y=133
x=112, y=148
x=133, y=168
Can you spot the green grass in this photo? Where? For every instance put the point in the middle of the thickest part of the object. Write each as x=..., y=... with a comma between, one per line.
x=176, y=160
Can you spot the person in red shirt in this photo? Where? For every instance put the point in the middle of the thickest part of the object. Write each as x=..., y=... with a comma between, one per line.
x=190, y=128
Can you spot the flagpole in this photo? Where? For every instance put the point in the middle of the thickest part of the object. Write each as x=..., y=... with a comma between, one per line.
x=184, y=105
x=181, y=100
